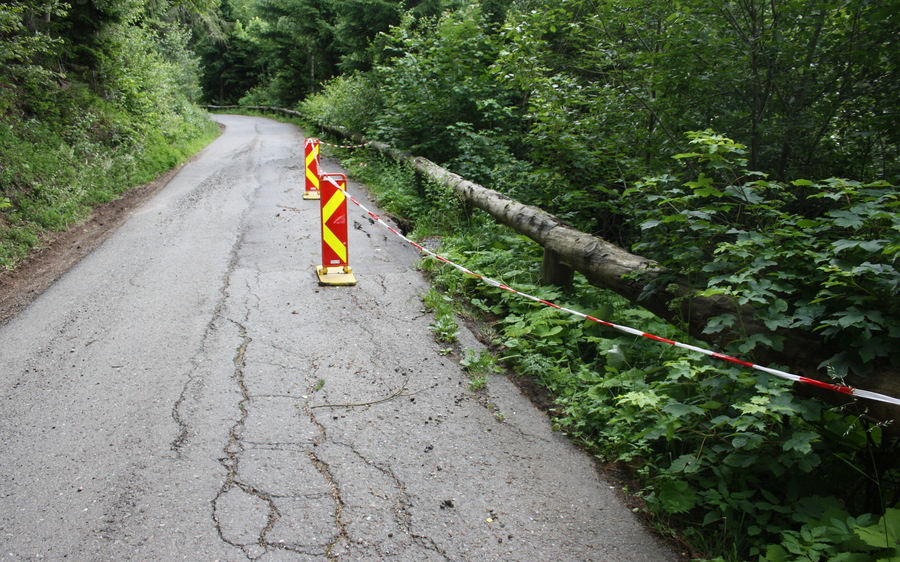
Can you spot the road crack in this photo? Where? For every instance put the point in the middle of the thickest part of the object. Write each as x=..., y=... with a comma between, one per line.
x=332, y=549
x=233, y=451
x=193, y=383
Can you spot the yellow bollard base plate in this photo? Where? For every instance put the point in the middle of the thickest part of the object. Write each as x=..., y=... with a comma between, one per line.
x=334, y=276
x=311, y=195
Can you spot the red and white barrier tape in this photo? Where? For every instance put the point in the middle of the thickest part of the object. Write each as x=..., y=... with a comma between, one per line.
x=344, y=146
x=778, y=373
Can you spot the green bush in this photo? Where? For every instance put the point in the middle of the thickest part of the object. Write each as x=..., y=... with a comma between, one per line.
x=349, y=101
x=93, y=101
x=727, y=457
x=819, y=254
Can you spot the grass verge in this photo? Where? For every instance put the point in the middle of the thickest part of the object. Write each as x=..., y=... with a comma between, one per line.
x=51, y=179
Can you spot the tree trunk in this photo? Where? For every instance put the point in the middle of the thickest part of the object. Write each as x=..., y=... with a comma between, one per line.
x=554, y=272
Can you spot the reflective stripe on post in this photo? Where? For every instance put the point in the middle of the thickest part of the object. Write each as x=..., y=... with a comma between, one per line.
x=311, y=153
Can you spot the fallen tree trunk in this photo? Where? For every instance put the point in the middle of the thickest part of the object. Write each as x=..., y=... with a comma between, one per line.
x=607, y=266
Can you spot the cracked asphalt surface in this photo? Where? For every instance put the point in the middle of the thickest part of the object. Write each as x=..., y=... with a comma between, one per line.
x=189, y=392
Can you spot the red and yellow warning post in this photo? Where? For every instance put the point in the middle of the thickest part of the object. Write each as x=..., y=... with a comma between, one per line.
x=335, y=268
x=311, y=153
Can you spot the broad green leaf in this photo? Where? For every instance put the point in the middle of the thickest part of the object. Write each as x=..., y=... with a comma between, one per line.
x=777, y=553
x=707, y=191
x=640, y=399
x=883, y=534
x=873, y=245
x=685, y=463
x=840, y=245
x=850, y=317
x=544, y=331
x=677, y=496
x=847, y=219
x=678, y=409
x=800, y=441
x=747, y=440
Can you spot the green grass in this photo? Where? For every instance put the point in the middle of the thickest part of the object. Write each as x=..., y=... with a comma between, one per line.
x=51, y=178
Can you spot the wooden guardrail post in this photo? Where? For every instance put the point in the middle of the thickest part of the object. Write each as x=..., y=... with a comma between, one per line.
x=554, y=271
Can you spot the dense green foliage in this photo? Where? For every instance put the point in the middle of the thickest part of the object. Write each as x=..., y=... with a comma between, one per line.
x=805, y=254
x=95, y=97
x=603, y=89
x=576, y=109
x=277, y=52
x=563, y=106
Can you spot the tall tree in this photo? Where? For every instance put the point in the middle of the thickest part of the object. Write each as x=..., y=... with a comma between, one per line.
x=437, y=82
x=297, y=47
x=358, y=22
x=27, y=52
x=808, y=86
x=231, y=63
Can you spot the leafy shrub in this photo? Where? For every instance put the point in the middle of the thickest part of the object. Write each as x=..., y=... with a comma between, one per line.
x=436, y=76
x=818, y=254
x=727, y=456
x=348, y=101
x=68, y=142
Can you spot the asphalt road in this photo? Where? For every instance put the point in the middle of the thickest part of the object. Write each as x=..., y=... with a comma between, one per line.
x=177, y=396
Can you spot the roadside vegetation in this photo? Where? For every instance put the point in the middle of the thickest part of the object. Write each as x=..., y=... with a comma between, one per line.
x=729, y=461
x=94, y=100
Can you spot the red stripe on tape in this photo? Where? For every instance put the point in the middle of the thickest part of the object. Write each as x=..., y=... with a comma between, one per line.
x=657, y=338
x=598, y=321
x=724, y=357
x=835, y=387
